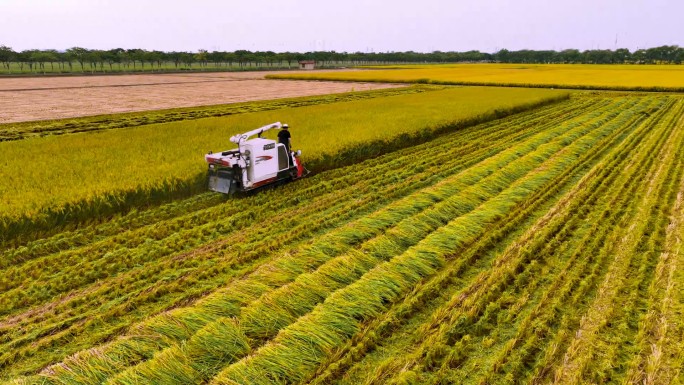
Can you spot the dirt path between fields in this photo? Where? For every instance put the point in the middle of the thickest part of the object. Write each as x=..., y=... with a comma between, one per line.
x=36, y=98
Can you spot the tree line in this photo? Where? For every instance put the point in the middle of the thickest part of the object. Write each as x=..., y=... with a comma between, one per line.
x=83, y=59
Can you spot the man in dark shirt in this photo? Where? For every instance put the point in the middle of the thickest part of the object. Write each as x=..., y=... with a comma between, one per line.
x=284, y=136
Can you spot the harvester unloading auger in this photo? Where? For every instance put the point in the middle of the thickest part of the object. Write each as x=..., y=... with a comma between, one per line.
x=254, y=163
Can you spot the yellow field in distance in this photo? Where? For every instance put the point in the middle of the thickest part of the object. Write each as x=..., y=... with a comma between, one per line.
x=575, y=76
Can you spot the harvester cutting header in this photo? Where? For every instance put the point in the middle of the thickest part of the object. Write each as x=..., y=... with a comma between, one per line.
x=255, y=162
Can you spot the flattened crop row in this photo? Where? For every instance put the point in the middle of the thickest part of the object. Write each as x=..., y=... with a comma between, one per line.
x=459, y=347
x=440, y=283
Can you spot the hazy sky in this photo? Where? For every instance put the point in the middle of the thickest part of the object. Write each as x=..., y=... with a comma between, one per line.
x=342, y=25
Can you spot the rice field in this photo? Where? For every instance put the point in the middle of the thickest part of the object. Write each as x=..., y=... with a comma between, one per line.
x=569, y=76
x=105, y=171
x=542, y=247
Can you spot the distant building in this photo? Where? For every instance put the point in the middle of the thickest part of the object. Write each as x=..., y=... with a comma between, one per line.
x=307, y=64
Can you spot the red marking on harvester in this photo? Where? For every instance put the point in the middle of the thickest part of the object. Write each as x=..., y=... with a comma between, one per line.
x=300, y=168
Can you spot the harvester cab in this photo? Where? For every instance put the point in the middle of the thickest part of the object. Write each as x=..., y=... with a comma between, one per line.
x=254, y=163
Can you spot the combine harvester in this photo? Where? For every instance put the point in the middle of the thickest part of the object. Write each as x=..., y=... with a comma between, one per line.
x=254, y=163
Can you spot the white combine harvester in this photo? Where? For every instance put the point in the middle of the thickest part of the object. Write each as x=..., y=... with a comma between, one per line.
x=254, y=163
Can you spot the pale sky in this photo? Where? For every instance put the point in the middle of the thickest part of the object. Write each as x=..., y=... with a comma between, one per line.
x=341, y=25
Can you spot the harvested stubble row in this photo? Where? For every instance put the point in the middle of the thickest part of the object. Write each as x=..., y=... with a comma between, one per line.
x=476, y=258
x=466, y=149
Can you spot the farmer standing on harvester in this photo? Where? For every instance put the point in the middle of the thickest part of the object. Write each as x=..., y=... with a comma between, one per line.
x=284, y=137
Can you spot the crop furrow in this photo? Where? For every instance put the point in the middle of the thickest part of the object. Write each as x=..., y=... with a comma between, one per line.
x=585, y=354
x=586, y=205
x=54, y=341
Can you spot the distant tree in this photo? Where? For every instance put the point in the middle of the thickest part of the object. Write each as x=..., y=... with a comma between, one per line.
x=79, y=54
x=52, y=56
x=39, y=58
x=202, y=56
x=654, y=55
x=137, y=55
x=639, y=56
x=7, y=55
x=679, y=55
x=597, y=56
x=270, y=58
x=68, y=58
x=570, y=56
x=215, y=57
x=289, y=57
x=112, y=56
x=29, y=57
x=95, y=57
x=187, y=58
x=124, y=58
x=175, y=57
x=229, y=57
x=154, y=57
x=668, y=53
x=503, y=56
x=161, y=57
x=621, y=55
x=242, y=56
x=254, y=58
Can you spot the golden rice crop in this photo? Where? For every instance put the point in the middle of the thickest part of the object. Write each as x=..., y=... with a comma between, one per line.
x=142, y=164
x=574, y=76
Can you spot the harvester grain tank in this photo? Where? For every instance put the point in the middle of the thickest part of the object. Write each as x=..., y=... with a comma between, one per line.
x=255, y=163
